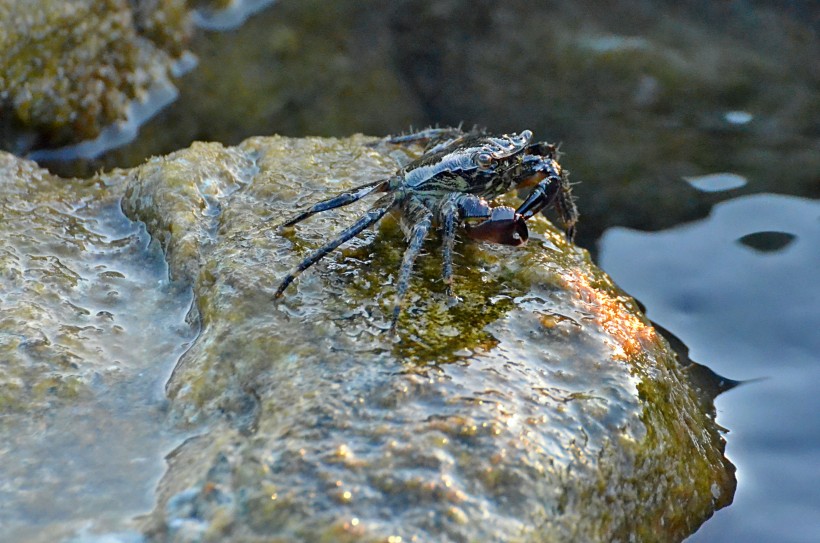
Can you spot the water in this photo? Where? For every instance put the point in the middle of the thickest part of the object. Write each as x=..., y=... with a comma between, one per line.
x=741, y=289
x=72, y=465
x=716, y=182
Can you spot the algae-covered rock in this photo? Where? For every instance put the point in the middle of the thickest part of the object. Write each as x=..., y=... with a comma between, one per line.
x=43, y=243
x=542, y=407
x=90, y=328
x=69, y=69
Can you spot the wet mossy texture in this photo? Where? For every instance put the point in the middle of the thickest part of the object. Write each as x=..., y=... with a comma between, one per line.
x=542, y=407
x=90, y=328
x=69, y=69
x=42, y=335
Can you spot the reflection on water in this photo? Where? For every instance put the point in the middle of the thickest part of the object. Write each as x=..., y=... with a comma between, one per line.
x=738, y=117
x=716, y=182
x=748, y=312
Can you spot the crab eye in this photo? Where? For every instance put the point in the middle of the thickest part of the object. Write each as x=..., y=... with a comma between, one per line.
x=484, y=159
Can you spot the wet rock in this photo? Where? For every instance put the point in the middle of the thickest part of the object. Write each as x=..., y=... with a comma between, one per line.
x=317, y=68
x=42, y=332
x=90, y=328
x=69, y=69
x=542, y=407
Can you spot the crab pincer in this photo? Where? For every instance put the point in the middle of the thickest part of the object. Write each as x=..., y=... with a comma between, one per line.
x=504, y=226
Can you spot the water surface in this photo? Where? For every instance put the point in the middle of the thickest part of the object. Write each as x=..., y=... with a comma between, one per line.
x=85, y=463
x=741, y=289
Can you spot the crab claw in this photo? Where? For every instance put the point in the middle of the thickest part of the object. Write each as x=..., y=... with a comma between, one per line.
x=504, y=226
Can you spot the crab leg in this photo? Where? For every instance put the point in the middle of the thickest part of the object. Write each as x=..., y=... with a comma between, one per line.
x=448, y=243
x=382, y=206
x=565, y=204
x=435, y=138
x=541, y=196
x=419, y=221
x=552, y=190
x=453, y=212
x=552, y=187
x=343, y=199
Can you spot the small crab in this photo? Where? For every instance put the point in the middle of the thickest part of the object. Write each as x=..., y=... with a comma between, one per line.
x=448, y=186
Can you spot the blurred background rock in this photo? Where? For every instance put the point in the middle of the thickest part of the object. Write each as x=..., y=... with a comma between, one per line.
x=641, y=94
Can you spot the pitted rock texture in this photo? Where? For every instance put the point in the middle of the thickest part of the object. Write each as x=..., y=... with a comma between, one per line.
x=542, y=407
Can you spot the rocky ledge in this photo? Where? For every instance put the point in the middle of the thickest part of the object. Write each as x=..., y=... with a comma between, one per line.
x=541, y=407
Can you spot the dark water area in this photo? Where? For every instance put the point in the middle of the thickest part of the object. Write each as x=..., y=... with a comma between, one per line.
x=750, y=312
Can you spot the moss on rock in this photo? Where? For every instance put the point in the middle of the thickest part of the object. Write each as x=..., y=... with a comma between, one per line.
x=68, y=69
x=544, y=405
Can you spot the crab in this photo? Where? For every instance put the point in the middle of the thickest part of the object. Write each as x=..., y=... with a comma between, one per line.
x=449, y=186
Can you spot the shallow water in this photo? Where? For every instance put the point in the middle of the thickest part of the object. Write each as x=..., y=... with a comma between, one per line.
x=91, y=462
x=744, y=298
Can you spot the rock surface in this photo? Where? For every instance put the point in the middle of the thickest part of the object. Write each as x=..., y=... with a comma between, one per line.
x=542, y=407
x=69, y=69
x=90, y=329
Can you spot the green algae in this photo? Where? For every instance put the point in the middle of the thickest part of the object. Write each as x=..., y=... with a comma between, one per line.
x=543, y=403
x=434, y=330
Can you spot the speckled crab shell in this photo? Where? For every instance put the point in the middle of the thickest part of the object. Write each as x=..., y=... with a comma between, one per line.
x=443, y=158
